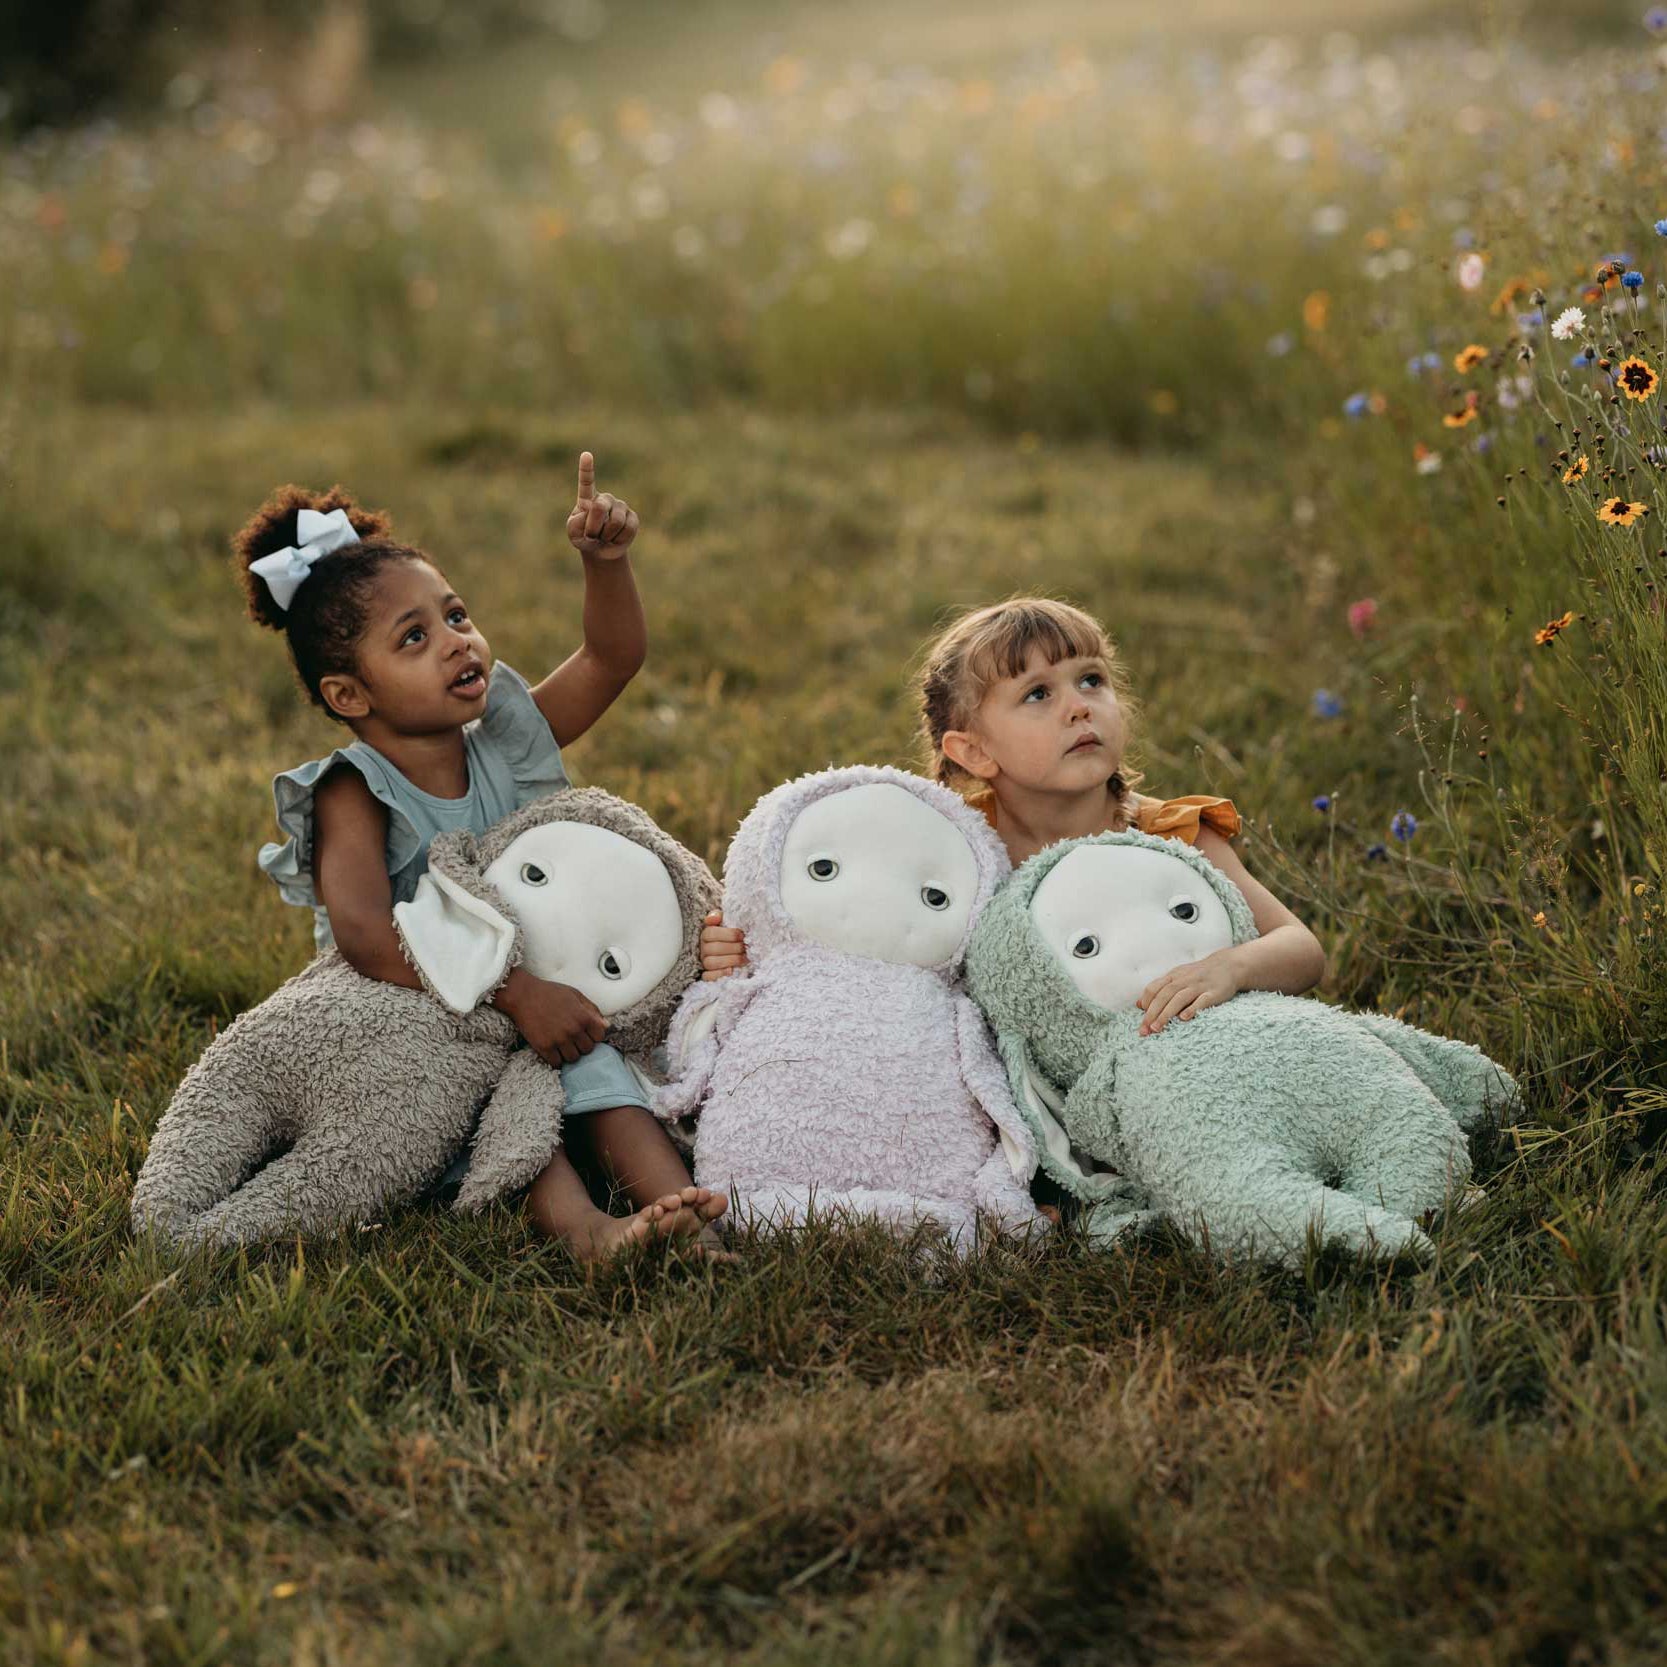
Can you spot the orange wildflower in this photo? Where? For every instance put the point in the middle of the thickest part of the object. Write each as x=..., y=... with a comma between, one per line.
x=1577, y=469
x=1636, y=379
x=1617, y=512
x=1551, y=628
x=1468, y=358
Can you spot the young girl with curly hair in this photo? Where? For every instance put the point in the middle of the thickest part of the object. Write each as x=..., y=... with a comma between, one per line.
x=445, y=739
x=1025, y=708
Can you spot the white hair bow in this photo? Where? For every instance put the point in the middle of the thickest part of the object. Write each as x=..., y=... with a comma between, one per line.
x=284, y=570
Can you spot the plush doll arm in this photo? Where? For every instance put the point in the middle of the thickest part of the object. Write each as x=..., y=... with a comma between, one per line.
x=1471, y=1086
x=692, y=1044
x=1044, y=1109
x=519, y=1132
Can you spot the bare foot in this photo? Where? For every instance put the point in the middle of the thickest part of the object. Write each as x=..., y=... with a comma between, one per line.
x=607, y=1235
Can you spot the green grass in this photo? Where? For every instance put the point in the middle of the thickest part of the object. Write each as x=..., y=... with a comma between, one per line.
x=439, y=1441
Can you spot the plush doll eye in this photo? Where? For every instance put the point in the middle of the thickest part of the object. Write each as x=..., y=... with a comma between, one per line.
x=1086, y=947
x=533, y=875
x=823, y=868
x=1183, y=908
x=613, y=963
x=934, y=897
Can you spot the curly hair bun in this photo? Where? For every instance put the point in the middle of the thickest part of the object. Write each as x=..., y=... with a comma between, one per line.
x=273, y=527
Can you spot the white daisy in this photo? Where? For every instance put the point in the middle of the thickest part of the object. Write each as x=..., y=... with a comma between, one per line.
x=1569, y=320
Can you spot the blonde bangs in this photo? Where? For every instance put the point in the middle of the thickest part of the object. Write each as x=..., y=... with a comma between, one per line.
x=998, y=641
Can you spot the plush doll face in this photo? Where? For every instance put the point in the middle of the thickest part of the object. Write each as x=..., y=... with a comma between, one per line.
x=597, y=911
x=875, y=871
x=1117, y=916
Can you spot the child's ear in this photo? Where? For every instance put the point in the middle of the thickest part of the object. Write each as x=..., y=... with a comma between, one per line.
x=962, y=748
x=345, y=696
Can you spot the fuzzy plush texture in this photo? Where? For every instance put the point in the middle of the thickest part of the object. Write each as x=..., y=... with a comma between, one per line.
x=824, y=1080
x=1252, y=1125
x=374, y=1087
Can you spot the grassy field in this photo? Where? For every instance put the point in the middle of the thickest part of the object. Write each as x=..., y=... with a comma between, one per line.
x=872, y=313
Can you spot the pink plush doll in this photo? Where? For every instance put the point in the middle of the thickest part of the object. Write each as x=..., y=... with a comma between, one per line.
x=845, y=1070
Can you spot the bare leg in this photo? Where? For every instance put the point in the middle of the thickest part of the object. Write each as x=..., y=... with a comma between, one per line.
x=560, y=1207
x=637, y=1155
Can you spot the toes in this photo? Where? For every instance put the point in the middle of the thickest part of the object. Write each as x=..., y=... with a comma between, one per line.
x=714, y=1206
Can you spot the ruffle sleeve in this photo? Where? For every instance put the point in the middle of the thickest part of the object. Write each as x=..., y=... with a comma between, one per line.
x=519, y=734
x=290, y=861
x=1182, y=818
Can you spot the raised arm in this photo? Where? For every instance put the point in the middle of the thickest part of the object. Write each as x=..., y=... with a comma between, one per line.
x=601, y=528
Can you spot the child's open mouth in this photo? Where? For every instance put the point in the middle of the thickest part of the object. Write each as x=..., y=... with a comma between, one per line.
x=470, y=682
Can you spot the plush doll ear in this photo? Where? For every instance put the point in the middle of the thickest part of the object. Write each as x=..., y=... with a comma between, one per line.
x=458, y=942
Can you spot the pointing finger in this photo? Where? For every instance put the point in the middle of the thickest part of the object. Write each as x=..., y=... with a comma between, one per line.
x=587, y=477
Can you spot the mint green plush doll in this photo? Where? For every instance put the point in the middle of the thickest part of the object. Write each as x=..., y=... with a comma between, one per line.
x=1250, y=1125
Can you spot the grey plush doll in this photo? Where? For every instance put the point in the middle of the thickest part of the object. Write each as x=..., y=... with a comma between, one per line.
x=373, y=1088
x=1251, y=1124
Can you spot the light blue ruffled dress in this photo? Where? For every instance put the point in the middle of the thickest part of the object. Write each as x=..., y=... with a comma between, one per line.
x=513, y=759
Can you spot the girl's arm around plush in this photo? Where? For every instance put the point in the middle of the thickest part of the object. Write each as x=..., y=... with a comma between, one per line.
x=1286, y=956
x=351, y=878
x=601, y=528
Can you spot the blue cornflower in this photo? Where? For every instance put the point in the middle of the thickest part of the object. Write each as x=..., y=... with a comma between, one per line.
x=1377, y=853
x=1415, y=364
x=1582, y=359
x=1432, y=361
x=1321, y=802
x=1622, y=259
x=1326, y=704
x=1632, y=280
x=1655, y=20
x=1530, y=321
x=1355, y=405
x=1403, y=825
x=1661, y=228
x=1482, y=442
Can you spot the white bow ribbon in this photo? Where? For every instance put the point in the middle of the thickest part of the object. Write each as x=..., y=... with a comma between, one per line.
x=284, y=570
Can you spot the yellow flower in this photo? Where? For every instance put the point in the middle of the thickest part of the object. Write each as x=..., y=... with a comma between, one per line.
x=1469, y=358
x=1577, y=469
x=1636, y=379
x=1617, y=512
x=1457, y=419
x=1551, y=628
x=1316, y=309
x=1539, y=918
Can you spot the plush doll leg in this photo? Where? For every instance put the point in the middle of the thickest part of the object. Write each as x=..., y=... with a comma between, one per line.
x=1471, y=1086
x=228, y=1114
x=519, y=1133
x=1272, y=1206
x=1409, y=1156
x=792, y=1206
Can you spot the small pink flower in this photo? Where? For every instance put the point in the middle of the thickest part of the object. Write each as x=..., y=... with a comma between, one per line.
x=1362, y=615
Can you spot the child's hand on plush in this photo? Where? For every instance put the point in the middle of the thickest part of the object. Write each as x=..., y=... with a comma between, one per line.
x=722, y=948
x=601, y=524
x=558, y=1022
x=1186, y=990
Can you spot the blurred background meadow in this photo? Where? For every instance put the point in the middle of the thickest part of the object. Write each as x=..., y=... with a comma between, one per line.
x=1316, y=349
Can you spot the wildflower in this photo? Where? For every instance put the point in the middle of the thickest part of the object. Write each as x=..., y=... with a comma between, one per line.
x=1469, y=271
x=1468, y=358
x=1403, y=825
x=1577, y=470
x=1482, y=443
x=1508, y=297
x=1362, y=615
x=1326, y=704
x=1632, y=280
x=1424, y=460
x=1432, y=361
x=1377, y=853
x=1636, y=379
x=1415, y=364
x=1321, y=802
x=1582, y=359
x=1458, y=419
x=1280, y=345
x=1539, y=919
x=1355, y=405
x=1567, y=322
x=1661, y=228
x=1551, y=629
x=1316, y=309
x=1617, y=512
x=1655, y=20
